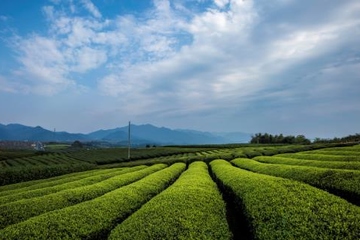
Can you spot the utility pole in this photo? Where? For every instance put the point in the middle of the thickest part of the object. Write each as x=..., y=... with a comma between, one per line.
x=129, y=142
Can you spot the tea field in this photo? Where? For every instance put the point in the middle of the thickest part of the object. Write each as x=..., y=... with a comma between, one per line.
x=202, y=192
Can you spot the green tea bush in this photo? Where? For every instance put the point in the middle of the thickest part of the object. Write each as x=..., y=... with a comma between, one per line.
x=23, y=209
x=191, y=208
x=336, y=152
x=94, y=219
x=85, y=180
x=278, y=208
x=48, y=182
x=344, y=183
x=21, y=174
x=321, y=157
x=310, y=163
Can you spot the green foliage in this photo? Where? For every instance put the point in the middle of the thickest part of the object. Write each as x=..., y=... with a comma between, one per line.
x=118, y=155
x=77, y=144
x=94, y=177
x=312, y=155
x=21, y=210
x=36, y=184
x=191, y=208
x=223, y=153
x=278, y=139
x=26, y=173
x=20, y=166
x=88, y=205
x=340, y=149
x=344, y=183
x=287, y=160
x=95, y=218
x=6, y=154
x=31, y=166
x=337, y=152
x=349, y=138
x=278, y=208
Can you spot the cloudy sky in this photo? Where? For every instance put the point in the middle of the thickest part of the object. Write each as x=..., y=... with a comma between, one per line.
x=280, y=66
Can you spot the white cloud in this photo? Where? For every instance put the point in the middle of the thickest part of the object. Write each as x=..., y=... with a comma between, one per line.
x=6, y=85
x=255, y=65
x=81, y=33
x=221, y=3
x=43, y=65
x=91, y=8
x=4, y=18
x=174, y=60
x=88, y=58
x=49, y=12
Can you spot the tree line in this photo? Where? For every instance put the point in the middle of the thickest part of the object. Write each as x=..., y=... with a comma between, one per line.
x=349, y=138
x=267, y=138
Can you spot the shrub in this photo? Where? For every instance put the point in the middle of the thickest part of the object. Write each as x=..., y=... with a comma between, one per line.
x=94, y=219
x=191, y=208
x=27, y=173
x=21, y=210
x=277, y=208
x=84, y=181
x=309, y=163
x=344, y=183
x=322, y=157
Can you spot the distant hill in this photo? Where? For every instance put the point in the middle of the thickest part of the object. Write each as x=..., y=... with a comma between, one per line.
x=18, y=132
x=140, y=134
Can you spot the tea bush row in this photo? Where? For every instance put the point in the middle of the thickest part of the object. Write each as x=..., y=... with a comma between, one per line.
x=48, y=182
x=321, y=157
x=278, y=208
x=23, y=209
x=344, y=183
x=84, y=181
x=94, y=219
x=191, y=208
x=27, y=173
x=310, y=163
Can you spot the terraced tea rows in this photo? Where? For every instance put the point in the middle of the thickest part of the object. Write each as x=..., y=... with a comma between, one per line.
x=94, y=218
x=192, y=196
x=278, y=208
x=340, y=182
x=191, y=208
x=289, y=160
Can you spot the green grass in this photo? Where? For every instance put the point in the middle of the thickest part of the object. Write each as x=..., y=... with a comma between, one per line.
x=191, y=208
x=344, y=183
x=94, y=219
x=278, y=208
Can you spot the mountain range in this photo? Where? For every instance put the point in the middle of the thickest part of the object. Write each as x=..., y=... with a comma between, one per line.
x=140, y=135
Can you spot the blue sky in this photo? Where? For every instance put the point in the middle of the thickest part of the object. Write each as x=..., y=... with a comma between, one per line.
x=281, y=66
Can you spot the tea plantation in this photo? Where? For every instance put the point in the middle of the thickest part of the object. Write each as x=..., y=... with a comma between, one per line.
x=202, y=192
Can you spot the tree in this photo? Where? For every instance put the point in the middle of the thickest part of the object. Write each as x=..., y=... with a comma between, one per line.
x=301, y=139
x=77, y=144
x=267, y=138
